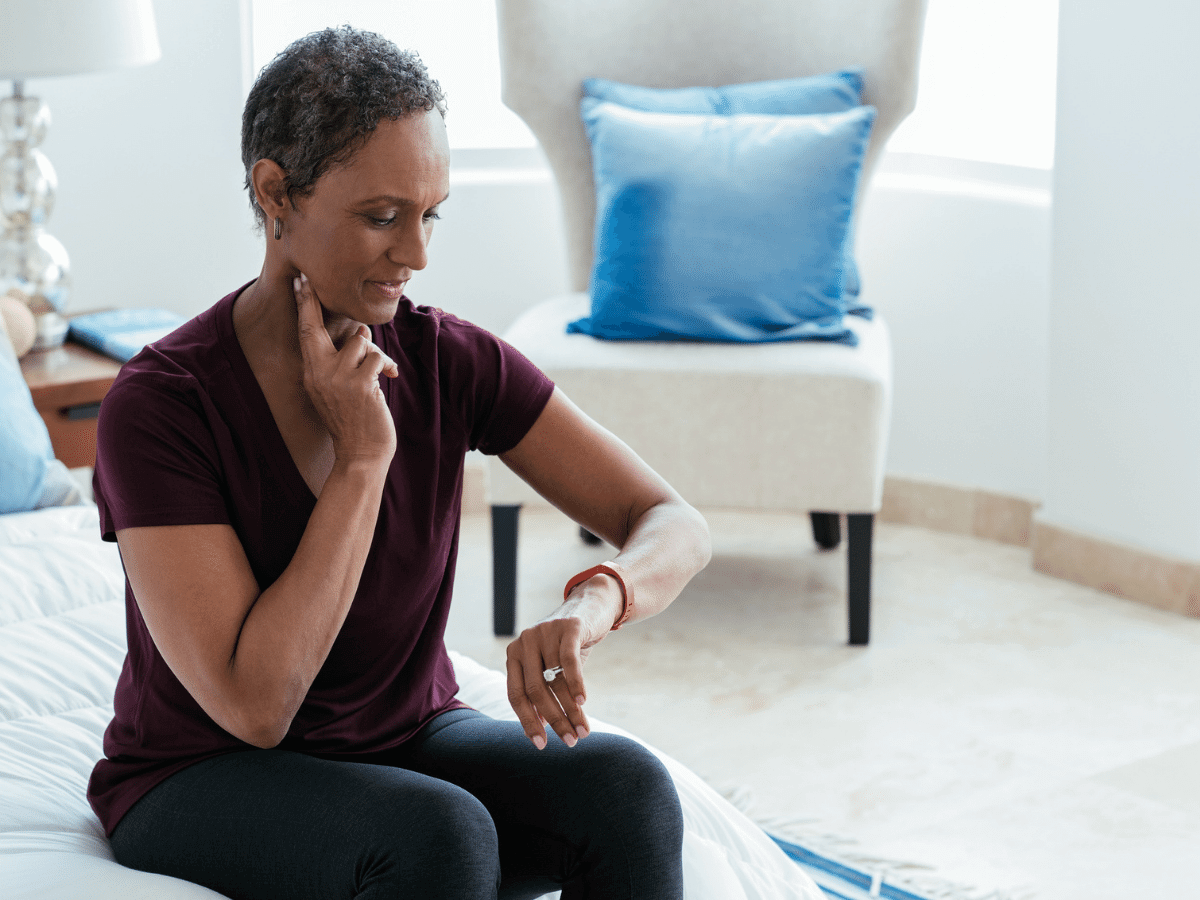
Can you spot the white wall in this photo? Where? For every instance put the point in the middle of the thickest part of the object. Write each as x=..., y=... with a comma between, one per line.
x=959, y=267
x=152, y=212
x=1124, y=402
x=498, y=249
x=150, y=206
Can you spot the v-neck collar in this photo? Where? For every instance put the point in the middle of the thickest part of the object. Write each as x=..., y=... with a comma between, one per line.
x=256, y=401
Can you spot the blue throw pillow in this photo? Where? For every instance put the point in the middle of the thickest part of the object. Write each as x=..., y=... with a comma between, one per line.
x=24, y=442
x=30, y=476
x=721, y=228
x=834, y=92
x=827, y=93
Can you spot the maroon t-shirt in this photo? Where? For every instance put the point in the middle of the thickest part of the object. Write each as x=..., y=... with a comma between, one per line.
x=186, y=438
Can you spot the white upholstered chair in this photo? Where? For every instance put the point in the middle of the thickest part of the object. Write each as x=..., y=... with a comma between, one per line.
x=798, y=426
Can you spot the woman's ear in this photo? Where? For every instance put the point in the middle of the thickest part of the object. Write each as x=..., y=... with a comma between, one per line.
x=270, y=188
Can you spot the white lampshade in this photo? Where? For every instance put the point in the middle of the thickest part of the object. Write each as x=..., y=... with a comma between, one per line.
x=41, y=38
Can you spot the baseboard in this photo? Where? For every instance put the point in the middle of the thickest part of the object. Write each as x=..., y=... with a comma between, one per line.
x=1118, y=569
x=1123, y=571
x=958, y=510
x=940, y=507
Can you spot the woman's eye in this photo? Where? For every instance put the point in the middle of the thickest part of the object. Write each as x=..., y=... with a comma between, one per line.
x=432, y=216
x=384, y=223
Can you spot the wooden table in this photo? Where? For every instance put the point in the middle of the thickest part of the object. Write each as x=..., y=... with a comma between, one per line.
x=67, y=384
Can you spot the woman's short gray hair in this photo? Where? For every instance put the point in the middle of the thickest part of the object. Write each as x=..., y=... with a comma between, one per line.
x=318, y=101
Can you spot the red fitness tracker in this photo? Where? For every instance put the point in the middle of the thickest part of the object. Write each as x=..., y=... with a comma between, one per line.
x=608, y=568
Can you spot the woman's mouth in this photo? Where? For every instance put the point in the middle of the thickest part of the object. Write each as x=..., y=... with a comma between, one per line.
x=392, y=290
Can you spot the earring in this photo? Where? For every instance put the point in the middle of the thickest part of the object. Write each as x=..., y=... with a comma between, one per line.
x=278, y=228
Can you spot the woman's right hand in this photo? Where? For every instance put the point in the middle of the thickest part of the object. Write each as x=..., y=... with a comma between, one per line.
x=343, y=385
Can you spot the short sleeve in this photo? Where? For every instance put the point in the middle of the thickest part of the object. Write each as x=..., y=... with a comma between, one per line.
x=156, y=457
x=494, y=389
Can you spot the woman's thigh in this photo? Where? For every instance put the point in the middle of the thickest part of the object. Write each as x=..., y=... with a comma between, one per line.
x=600, y=819
x=266, y=824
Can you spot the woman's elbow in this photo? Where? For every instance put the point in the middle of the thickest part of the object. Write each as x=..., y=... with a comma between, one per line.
x=263, y=732
x=690, y=539
x=255, y=722
x=265, y=740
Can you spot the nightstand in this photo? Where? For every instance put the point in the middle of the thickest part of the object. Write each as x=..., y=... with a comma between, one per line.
x=67, y=384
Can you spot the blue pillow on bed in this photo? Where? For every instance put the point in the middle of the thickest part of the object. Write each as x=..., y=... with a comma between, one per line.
x=828, y=93
x=721, y=228
x=30, y=476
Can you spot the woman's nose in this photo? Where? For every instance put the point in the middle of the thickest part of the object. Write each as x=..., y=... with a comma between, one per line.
x=409, y=248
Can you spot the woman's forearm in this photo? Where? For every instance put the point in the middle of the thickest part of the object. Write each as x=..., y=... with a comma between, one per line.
x=665, y=548
x=289, y=630
x=666, y=545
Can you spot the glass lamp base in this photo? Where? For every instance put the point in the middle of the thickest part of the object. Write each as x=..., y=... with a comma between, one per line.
x=51, y=331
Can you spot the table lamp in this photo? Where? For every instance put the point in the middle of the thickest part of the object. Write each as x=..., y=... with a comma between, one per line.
x=40, y=39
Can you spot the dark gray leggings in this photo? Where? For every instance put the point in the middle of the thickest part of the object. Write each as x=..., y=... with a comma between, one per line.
x=468, y=809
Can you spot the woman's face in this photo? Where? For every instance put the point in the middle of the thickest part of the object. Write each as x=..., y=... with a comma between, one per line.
x=364, y=229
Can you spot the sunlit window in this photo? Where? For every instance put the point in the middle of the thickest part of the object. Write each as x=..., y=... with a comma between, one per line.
x=987, y=83
x=986, y=91
x=456, y=39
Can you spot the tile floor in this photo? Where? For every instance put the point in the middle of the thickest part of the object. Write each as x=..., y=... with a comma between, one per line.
x=1007, y=729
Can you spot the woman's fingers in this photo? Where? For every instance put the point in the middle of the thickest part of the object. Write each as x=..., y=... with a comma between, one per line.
x=343, y=383
x=539, y=652
x=534, y=663
x=527, y=714
x=362, y=353
x=566, y=665
x=573, y=692
x=576, y=723
x=314, y=339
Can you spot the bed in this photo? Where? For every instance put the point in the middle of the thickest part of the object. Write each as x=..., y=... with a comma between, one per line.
x=62, y=641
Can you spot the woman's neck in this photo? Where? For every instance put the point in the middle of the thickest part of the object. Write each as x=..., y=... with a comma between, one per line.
x=266, y=321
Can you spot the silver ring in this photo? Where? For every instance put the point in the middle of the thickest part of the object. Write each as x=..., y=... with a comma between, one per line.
x=551, y=674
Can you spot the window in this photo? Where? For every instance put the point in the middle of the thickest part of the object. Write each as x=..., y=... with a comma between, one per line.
x=987, y=83
x=456, y=40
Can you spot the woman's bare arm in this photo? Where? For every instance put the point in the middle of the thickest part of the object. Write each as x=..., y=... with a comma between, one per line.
x=249, y=657
x=599, y=482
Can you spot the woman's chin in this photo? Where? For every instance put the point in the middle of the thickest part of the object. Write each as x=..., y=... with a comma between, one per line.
x=381, y=313
x=368, y=310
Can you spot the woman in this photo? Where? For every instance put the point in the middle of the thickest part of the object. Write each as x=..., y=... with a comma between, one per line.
x=283, y=477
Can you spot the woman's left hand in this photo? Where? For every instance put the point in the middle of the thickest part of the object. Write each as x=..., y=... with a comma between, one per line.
x=563, y=639
x=602, y=484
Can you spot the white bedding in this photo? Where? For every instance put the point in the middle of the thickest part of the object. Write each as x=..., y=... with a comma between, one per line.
x=62, y=641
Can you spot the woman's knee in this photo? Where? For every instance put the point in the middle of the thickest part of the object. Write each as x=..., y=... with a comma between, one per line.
x=632, y=833
x=639, y=793
x=452, y=851
x=660, y=801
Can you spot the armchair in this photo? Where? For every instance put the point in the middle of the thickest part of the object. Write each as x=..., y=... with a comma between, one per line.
x=798, y=426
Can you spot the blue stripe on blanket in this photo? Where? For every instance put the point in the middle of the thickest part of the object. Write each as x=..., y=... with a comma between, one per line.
x=841, y=881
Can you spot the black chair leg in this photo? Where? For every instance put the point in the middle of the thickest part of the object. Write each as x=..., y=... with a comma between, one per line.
x=826, y=529
x=592, y=540
x=504, y=569
x=859, y=527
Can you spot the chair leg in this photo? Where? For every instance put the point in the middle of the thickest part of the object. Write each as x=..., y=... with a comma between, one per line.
x=859, y=527
x=588, y=538
x=826, y=529
x=504, y=569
